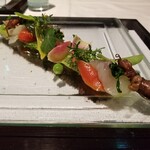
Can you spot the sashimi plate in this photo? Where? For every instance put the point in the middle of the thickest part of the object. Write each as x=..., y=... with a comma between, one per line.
x=31, y=95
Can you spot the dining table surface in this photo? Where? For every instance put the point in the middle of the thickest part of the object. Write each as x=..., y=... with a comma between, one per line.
x=127, y=9
x=135, y=15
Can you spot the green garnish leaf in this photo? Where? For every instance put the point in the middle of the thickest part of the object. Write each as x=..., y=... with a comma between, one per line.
x=118, y=86
x=49, y=40
x=116, y=70
x=116, y=73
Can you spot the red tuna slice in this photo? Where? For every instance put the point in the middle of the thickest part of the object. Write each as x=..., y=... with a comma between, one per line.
x=90, y=76
x=58, y=53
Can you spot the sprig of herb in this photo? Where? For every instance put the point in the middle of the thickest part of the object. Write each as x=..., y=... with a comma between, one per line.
x=116, y=72
x=86, y=55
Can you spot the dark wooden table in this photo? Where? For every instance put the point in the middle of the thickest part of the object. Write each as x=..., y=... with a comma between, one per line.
x=73, y=138
x=23, y=137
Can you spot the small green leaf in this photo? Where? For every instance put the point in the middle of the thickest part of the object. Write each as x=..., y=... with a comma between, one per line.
x=49, y=41
x=118, y=86
x=116, y=73
x=116, y=70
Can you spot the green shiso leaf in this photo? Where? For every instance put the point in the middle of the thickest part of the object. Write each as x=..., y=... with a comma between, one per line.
x=49, y=40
